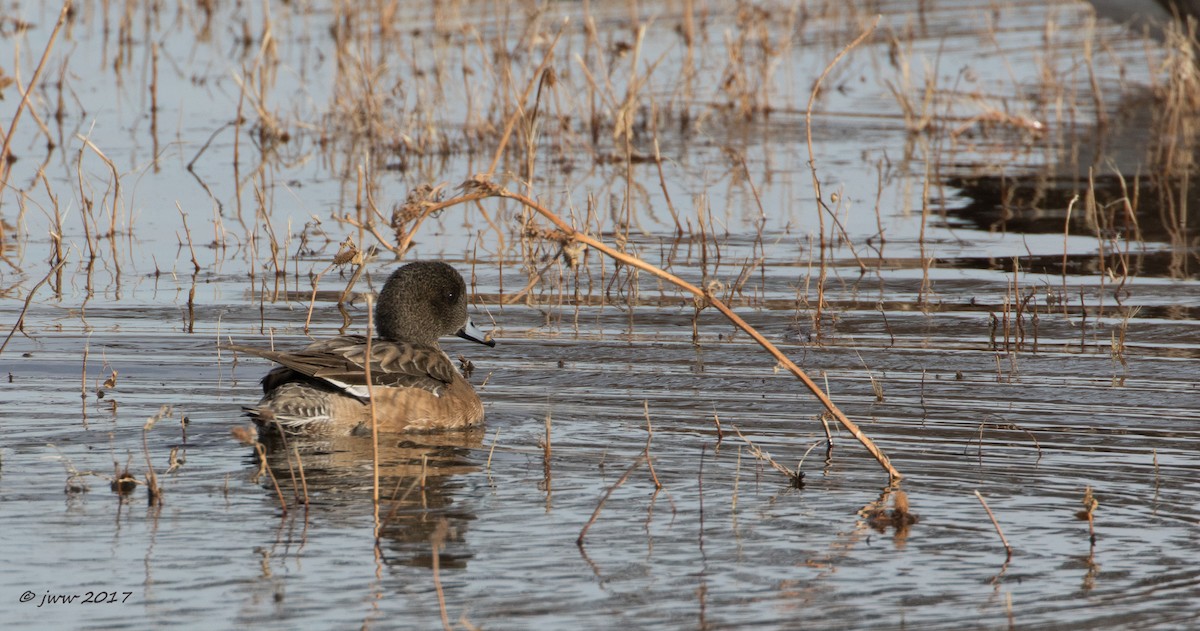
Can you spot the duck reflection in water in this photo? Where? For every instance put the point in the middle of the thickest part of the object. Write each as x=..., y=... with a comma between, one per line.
x=420, y=475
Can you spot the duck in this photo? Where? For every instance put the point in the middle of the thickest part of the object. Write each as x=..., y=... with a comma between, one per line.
x=322, y=390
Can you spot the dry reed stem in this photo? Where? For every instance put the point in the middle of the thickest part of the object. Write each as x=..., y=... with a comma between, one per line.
x=795, y=477
x=646, y=451
x=1066, y=236
x=312, y=298
x=83, y=377
x=287, y=457
x=153, y=490
x=535, y=80
x=712, y=300
x=1003, y=539
x=20, y=325
x=116, y=179
x=300, y=469
x=37, y=73
x=609, y=492
x=491, y=451
x=662, y=183
x=1090, y=504
x=348, y=253
x=262, y=455
x=435, y=541
x=188, y=232
x=812, y=165
x=374, y=425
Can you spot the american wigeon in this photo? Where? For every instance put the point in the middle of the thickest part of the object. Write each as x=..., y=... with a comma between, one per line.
x=322, y=389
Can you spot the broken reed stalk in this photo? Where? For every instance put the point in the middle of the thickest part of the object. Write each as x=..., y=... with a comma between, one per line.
x=1003, y=539
x=547, y=450
x=37, y=73
x=477, y=189
x=609, y=492
x=374, y=421
x=246, y=436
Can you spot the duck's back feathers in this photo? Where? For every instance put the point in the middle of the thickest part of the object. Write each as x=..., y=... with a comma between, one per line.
x=340, y=362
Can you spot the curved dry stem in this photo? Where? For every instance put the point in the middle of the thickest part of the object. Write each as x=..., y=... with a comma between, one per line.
x=481, y=189
x=478, y=189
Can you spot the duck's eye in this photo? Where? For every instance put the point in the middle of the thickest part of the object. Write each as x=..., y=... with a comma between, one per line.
x=451, y=296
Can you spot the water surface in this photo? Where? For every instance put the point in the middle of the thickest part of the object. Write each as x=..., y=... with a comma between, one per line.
x=1003, y=306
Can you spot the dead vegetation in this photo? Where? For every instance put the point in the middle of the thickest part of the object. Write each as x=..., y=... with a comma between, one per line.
x=549, y=151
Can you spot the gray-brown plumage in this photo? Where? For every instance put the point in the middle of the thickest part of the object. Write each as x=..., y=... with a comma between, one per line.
x=321, y=390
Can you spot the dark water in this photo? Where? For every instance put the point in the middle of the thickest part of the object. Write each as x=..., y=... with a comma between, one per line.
x=1010, y=341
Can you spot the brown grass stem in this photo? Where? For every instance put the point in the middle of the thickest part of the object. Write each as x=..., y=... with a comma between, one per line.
x=812, y=165
x=535, y=80
x=795, y=477
x=83, y=384
x=288, y=448
x=374, y=421
x=153, y=490
x=646, y=451
x=20, y=325
x=491, y=451
x=607, y=494
x=300, y=469
x=712, y=300
x=188, y=232
x=262, y=458
x=999, y=531
x=37, y=73
x=435, y=541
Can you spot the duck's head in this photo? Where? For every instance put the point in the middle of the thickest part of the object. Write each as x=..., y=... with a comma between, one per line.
x=423, y=301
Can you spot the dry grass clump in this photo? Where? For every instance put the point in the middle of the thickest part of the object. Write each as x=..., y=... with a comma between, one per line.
x=1179, y=94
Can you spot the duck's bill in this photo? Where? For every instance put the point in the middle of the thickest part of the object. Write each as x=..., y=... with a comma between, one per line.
x=472, y=332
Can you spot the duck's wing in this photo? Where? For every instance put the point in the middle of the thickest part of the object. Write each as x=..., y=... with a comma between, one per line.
x=341, y=362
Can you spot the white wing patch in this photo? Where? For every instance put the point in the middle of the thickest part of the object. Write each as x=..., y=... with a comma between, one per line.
x=360, y=391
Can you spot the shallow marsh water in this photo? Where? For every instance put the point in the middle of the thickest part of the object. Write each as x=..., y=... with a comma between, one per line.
x=981, y=347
